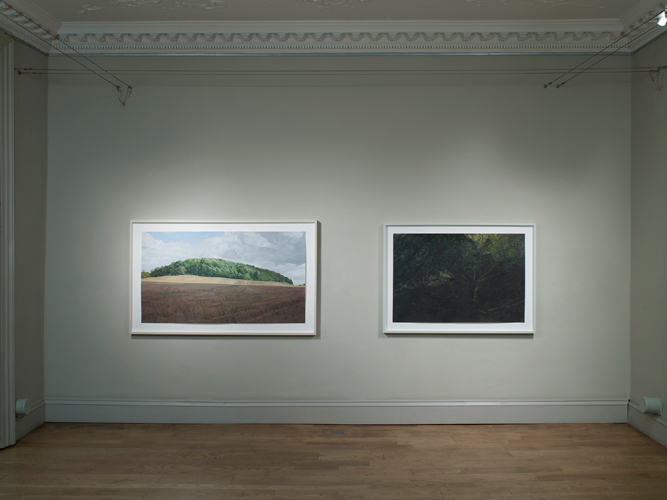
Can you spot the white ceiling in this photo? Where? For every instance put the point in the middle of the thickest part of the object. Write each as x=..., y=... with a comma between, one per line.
x=333, y=26
x=331, y=10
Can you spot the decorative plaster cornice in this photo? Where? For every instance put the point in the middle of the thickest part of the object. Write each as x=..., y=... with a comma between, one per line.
x=13, y=20
x=35, y=13
x=340, y=43
x=351, y=37
x=636, y=18
x=640, y=11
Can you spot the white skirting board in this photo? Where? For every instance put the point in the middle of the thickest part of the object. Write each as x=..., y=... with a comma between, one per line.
x=653, y=427
x=30, y=422
x=465, y=412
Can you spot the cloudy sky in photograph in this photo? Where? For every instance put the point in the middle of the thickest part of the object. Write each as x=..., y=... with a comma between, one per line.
x=282, y=252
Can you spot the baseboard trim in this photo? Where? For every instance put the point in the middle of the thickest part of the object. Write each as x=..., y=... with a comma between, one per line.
x=29, y=423
x=337, y=412
x=653, y=427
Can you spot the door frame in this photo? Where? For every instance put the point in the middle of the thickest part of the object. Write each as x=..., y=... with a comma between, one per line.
x=7, y=395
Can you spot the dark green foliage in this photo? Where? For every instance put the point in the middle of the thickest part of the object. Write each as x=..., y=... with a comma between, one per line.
x=218, y=268
x=145, y=274
x=459, y=278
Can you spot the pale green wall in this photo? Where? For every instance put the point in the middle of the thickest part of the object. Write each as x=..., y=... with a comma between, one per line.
x=352, y=153
x=649, y=228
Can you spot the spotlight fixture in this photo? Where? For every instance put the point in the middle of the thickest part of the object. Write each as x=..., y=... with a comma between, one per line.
x=662, y=18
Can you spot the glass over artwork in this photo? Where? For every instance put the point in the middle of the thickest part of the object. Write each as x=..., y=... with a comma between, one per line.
x=224, y=278
x=459, y=279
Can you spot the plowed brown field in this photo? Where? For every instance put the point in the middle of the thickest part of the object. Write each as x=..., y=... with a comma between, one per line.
x=194, y=299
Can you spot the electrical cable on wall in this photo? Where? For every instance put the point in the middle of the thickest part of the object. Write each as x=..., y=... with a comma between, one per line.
x=123, y=94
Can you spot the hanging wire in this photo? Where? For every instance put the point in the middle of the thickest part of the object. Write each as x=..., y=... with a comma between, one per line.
x=656, y=76
x=122, y=96
x=605, y=57
x=333, y=73
x=573, y=70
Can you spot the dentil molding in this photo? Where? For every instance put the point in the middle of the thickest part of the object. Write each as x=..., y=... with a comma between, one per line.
x=331, y=37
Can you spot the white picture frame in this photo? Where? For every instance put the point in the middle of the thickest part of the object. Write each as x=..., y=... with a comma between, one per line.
x=424, y=296
x=224, y=284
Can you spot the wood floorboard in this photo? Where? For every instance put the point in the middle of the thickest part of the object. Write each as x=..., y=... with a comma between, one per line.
x=310, y=462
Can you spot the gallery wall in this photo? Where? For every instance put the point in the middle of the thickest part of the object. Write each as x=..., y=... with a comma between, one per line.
x=30, y=134
x=649, y=239
x=414, y=144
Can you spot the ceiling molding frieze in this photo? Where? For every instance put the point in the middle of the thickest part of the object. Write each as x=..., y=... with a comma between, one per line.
x=24, y=28
x=377, y=42
x=339, y=37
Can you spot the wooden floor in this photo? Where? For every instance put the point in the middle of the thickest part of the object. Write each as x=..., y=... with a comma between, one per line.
x=292, y=462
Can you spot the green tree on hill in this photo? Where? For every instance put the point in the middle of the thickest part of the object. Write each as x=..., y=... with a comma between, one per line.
x=218, y=268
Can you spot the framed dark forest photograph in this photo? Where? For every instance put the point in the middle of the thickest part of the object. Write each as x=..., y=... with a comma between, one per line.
x=223, y=278
x=459, y=279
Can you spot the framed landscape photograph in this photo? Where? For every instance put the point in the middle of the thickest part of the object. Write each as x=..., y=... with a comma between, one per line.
x=459, y=279
x=223, y=278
